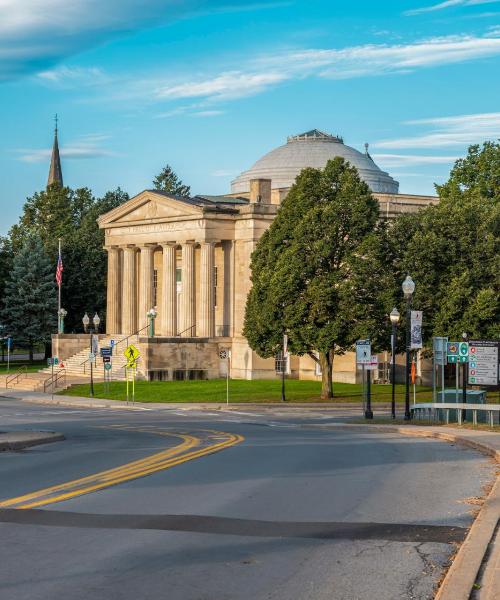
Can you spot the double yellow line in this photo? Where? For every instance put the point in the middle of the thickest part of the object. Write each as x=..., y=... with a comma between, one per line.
x=160, y=461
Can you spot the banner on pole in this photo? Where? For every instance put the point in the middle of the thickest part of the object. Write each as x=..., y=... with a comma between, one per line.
x=416, y=330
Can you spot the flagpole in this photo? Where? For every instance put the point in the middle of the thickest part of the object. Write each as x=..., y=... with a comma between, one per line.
x=59, y=294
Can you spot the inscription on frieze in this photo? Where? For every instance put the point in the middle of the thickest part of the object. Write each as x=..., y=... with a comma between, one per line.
x=154, y=228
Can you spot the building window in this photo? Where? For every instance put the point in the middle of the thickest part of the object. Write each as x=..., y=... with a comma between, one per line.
x=178, y=279
x=215, y=285
x=155, y=287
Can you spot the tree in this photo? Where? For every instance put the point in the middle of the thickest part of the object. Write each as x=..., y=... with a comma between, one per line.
x=318, y=272
x=30, y=302
x=452, y=250
x=71, y=215
x=168, y=181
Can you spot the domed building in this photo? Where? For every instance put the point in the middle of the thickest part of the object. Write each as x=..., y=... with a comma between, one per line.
x=312, y=149
x=189, y=258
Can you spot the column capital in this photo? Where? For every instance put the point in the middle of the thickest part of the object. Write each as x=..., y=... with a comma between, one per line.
x=169, y=244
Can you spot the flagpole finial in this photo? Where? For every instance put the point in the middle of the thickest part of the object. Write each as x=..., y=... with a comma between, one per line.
x=56, y=120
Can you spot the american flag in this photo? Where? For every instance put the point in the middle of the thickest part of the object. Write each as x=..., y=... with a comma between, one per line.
x=59, y=270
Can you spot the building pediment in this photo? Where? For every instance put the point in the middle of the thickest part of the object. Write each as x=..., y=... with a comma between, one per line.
x=150, y=207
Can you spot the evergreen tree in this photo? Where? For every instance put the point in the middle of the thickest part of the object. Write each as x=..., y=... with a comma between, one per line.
x=168, y=181
x=318, y=272
x=30, y=301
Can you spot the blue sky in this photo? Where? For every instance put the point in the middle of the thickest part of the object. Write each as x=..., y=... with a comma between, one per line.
x=210, y=86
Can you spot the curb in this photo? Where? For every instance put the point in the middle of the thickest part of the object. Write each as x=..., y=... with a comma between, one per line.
x=18, y=440
x=463, y=573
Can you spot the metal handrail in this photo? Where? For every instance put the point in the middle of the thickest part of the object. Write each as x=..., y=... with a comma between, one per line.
x=125, y=339
x=22, y=370
x=53, y=379
x=191, y=327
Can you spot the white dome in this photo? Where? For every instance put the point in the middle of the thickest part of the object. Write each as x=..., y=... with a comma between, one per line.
x=312, y=149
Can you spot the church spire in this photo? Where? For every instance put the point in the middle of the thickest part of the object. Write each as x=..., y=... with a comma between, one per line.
x=55, y=171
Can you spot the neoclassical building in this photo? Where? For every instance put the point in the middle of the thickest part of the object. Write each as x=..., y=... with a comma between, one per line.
x=190, y=259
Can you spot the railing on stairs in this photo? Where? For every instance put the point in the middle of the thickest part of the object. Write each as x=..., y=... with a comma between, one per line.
x=53, y=379
x=122, y=341
x=15, y=376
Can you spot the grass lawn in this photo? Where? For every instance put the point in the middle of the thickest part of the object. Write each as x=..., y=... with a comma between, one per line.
x=36, y=365
x=241, y=390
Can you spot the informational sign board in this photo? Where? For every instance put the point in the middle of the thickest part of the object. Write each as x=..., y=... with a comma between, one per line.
x=483, y=362
x=285, y=344
x=112, y=343
x=416, y=330
x=363, y=352
x=131, y=354
x=91, y=356
x=373, y=364
x=106, y=359
x=107, y=366
x=439, y=345
x=106, y=351
x=458, y=352
x=9, y=343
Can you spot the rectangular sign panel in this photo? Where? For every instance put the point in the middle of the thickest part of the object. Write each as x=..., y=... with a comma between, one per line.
x=416, y=330
x=363, y=352
x=439, y=347
x=483, y=362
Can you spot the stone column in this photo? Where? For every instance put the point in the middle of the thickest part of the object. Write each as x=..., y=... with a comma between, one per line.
x=129, y=290
x=168, y=310
x=207, y=300
x=188, y=306
x=146, y=283
x=113, y=304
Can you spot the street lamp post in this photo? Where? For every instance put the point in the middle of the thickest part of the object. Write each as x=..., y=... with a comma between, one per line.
x=394, y=316
x=61, y=314
x=86, y=322
x=408, y=289
x=151, y=315
x=96, y=320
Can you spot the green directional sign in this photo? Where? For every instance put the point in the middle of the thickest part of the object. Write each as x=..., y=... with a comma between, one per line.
x=458, y=352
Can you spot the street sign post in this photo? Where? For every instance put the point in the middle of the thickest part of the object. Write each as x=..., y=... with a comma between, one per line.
x=364, y=358
x=439, y=345
x=484, y=362
x=225, y=354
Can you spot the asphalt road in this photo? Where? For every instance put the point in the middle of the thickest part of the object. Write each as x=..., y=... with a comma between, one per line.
x=288, y=512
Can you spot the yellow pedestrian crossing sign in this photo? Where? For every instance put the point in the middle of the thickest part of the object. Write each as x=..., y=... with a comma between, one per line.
x=131, y=354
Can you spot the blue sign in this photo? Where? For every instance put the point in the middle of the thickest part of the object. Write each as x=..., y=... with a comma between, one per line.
x=9, y=343
x=106, y=351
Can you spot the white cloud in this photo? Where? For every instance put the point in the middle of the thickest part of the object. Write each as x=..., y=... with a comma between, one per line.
x=73, y=75
x=226, y=86
x=404, y=160
x=224, y=173
x=264, y=72
x=460, y=130
x=447, y=4
x=85, y=146
x=36, y=34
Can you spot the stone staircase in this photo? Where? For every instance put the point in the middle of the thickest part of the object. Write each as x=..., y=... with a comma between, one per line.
x=76, y=369
x=78, y=365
